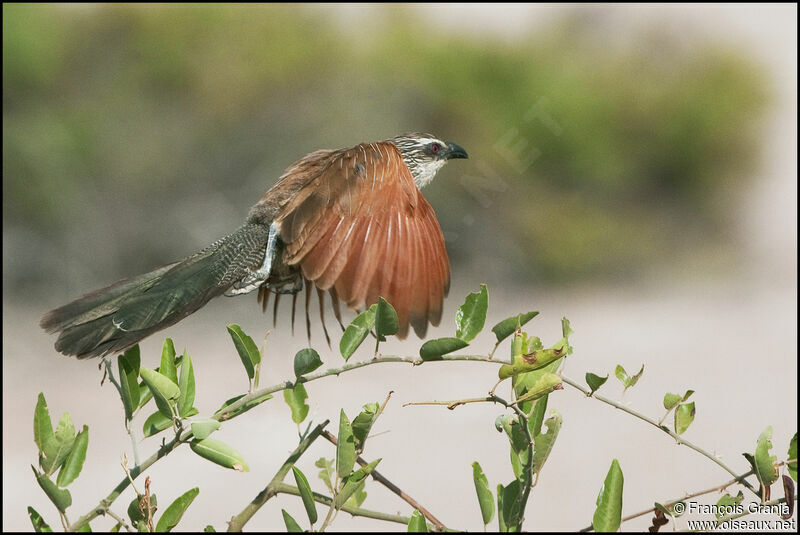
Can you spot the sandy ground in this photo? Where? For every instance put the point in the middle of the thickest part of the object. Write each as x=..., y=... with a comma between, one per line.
x=732, y=339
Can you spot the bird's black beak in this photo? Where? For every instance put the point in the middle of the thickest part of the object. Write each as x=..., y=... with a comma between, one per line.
x=455, y=151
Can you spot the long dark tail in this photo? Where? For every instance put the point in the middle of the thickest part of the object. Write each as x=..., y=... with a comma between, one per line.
x=115, y=318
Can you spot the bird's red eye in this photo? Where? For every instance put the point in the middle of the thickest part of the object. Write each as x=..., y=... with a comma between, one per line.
x=435, y=148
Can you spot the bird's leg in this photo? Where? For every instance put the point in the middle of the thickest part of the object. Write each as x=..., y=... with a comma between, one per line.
x=254, y=279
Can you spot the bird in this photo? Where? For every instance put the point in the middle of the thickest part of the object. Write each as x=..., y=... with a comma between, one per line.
x=350, y=222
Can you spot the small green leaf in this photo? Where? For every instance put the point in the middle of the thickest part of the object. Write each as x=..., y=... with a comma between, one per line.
x=135, y=511
x=167, y=368
x=353, y=482
x=305, y=494
x=363, y=423
x=627, y=381
x=766, y=471
x=246, y=348
x=416, y=524
x=42, y=426
x=61, y=498
x=434, y=349
x=202, y=427
x=608, y=515
x=326, y=472
x=220, y=453
x=244, y=408
x=145, y=394
x=358, y=496
x=726, y=504
x=74, y=464
x=306, y=361
x=173, y=514
x=536, y=416
x=39, y=525
x=485, y=497
x=595, y=381
x=506, y=328
x=165, y=392
x=291, y=524
x=545, y=384
x=471, y=316
x=187, y=386
x=296, y=399
x=511, y=513
x=530, y=362
x=156, y=423
x=671, y=400
x=209, y=529
x=684, y=416
x=345, y=448
x=501, y=522
x=128, y=364
x=386, y=322
x=792, y=456
x=85, y=528
x=543, y=442
x=357, y=331
x=57, y=449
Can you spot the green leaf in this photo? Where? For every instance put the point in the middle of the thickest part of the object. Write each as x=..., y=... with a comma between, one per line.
x=543, y=442
x=209, y=529
x=173, y=514
x=202, y=427
x=255, y=402
x=485, y=497
x=74, y=463
x=306, y=361
x=684, y=416
x=246, y=348
x=671, y=400
x=536, y=416
x=471, y=316
x=766, y=471
x=145, y=394
x=220, y=453
x=187, y=386
x=545, y=384
x=608, y=515
x=135, y=511
x=595, y=382
x=168, y=368
x=128, y=364
x=792, y=454
x=501, y=522
x=506, y=328
x=363, y=423
x=345, y=448
x=386, y=322
x=727, y=503
x=529, y=362
x=305, y=494
x=39, y=525
x=57, y=450
x=416, y=524
x=164, y=390
x=357, y=331
x=61, y=498
x=296, y=399
x=156, y=423
x=358, y=496
x=434, y=349
x=291, y=524
x=511, y=513
x=42, y=426
x=85, y=528
x=353, y=482
x=326, y=472
x=627, y=381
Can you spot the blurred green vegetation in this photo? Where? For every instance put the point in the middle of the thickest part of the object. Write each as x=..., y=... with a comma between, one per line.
x=136, y=134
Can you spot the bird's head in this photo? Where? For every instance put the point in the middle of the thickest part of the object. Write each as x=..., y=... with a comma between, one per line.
x=424, y=155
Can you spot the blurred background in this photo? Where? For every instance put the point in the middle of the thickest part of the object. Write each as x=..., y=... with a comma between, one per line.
x=631, y=168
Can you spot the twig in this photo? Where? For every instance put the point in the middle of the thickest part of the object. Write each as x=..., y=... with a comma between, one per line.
x=678, y=439
x=238, y=521
x=119, y=519
x=380, y=478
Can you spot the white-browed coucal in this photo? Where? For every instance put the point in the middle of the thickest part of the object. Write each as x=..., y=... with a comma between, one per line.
x=351, y=222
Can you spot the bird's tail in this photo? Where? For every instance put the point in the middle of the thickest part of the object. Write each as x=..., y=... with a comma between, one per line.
x=115, y=318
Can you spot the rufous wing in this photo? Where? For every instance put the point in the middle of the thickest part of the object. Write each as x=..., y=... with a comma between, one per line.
x=362, y=230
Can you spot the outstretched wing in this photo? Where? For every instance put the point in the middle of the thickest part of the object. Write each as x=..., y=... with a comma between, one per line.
x=361, y=229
